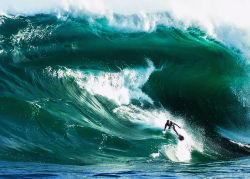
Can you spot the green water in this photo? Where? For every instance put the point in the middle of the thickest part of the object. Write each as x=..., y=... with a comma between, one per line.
x=76, y=91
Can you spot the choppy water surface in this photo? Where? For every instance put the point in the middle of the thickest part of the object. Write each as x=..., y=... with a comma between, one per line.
x=221, y=169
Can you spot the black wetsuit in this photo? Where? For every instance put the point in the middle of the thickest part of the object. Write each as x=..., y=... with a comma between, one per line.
x=170, y=124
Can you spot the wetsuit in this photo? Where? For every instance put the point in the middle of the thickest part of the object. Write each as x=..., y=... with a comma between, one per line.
x=171, y=124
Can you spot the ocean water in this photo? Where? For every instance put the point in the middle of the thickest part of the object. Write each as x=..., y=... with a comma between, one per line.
x=87, y=86
x=238, y=168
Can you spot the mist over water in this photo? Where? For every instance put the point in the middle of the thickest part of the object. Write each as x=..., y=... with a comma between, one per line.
x=93, y=82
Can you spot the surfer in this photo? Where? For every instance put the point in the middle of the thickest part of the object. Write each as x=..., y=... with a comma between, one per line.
x=170, y=124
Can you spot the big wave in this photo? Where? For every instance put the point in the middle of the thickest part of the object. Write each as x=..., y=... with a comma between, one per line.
x=100, y=79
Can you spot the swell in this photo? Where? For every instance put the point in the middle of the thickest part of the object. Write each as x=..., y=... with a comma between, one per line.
x=51, y=113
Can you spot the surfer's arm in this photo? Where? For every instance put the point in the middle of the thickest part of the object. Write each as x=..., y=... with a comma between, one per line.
x=175, y=130
x=176, y=125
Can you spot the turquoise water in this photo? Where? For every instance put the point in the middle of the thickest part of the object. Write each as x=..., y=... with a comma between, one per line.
x=221, y=169
x=88, y=95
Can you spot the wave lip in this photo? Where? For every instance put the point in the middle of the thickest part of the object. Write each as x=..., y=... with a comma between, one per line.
x=231, y=29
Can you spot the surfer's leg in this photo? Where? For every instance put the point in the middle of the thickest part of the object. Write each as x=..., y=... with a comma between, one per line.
x=175, y=130
x=165, y=127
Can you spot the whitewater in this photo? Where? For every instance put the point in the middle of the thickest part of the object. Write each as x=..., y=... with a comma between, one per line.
x=86, y=88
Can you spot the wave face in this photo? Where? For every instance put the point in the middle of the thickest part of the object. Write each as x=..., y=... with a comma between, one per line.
x=81, y=84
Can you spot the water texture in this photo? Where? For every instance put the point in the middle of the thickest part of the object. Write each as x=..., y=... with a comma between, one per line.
x=90, y=84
